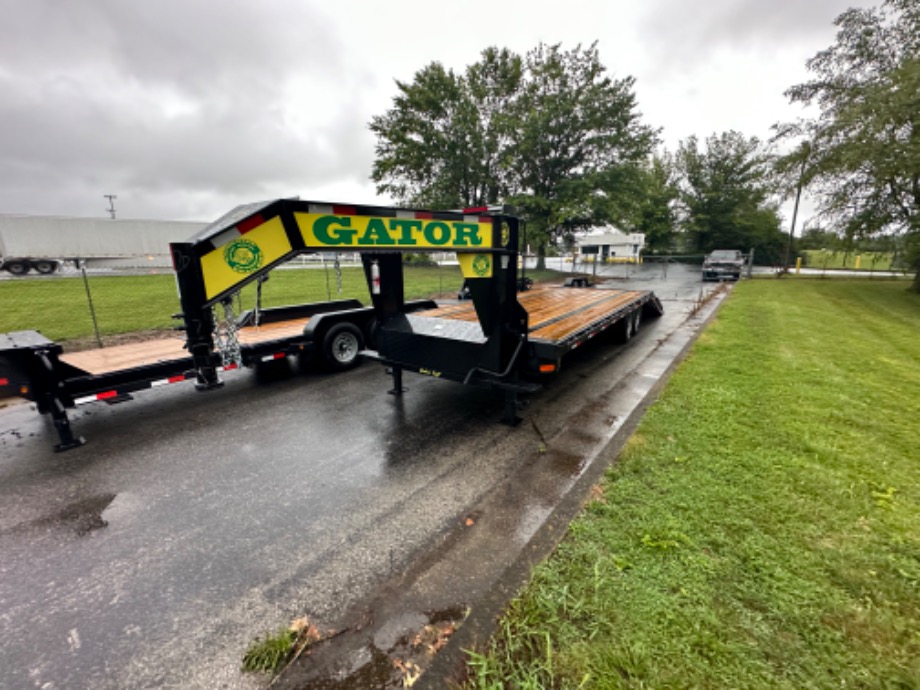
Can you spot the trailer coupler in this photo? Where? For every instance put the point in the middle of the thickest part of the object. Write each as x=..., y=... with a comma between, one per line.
x=62, y=425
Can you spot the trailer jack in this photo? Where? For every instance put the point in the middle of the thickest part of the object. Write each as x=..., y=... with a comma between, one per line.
x=62, y=424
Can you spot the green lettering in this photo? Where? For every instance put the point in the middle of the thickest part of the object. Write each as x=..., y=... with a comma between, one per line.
x=406, y=226
x=376, y=233
x=437, y=233
x=467, y=235
x=325, y=231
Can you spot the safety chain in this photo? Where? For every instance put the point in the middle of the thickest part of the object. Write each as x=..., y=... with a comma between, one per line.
x=338, y=273
x=226, y=335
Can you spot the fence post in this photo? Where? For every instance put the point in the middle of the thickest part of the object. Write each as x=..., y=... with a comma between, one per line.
x=92, y=309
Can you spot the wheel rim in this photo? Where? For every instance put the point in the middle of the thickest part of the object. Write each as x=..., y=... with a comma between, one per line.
x=344, y=348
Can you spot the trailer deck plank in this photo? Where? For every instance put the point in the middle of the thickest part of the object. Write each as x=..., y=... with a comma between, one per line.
x=555, y=313
x=253, y=335
x=149, y=352
x=128, y=356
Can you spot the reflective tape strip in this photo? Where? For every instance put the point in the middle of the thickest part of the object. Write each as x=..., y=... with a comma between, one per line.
x=229, y=367
x=4, y=382
x=269, y=358
x=92, y=398
x=171, y=379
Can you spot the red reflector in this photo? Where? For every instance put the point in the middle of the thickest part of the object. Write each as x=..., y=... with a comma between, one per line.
x=344, y=210
x=107, y=394
x=424, y=215
x=175, y=379
x=230, y=366
x=4, y=382
x=547, y=368
x=278, y=355
x=250, y=223
x=485, y=219
x=476, y=209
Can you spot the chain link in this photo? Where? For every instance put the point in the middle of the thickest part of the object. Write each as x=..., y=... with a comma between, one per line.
x=226, y=335
x=338, y=273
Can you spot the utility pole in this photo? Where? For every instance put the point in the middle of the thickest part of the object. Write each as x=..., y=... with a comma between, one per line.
x=111, y=208
x=806, y=152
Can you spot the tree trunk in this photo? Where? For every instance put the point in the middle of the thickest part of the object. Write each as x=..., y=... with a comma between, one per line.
x=541, y=258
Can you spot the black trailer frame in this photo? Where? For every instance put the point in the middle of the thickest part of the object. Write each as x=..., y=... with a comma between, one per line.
x=494, y=348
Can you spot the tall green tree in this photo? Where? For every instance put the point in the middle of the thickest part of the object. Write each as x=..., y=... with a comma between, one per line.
x=864, y=143
x=726, y=196
x=551, y=133
x=579, y=143
x=655, y=210
x=444, y=142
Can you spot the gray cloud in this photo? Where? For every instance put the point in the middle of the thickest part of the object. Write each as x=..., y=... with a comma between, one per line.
x=170, y=99
x=682, y=34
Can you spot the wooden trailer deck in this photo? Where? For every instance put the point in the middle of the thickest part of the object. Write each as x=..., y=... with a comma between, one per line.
x=149, y=352
x=556, y=313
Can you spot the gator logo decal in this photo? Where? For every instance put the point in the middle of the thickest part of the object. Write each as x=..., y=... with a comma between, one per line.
x=243, y=256
x=482, y=266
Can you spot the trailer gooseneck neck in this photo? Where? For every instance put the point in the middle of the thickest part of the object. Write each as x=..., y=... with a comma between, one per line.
x=251, y=240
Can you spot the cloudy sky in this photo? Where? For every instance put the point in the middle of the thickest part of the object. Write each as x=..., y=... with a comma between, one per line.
x=186, y=108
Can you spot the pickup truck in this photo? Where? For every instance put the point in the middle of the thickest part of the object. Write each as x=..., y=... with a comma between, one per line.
x=722, y=264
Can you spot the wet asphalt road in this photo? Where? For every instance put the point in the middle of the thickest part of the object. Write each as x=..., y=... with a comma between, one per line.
x=191, y=523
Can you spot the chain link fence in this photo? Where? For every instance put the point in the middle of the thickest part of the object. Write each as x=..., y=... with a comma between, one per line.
x=93, y=307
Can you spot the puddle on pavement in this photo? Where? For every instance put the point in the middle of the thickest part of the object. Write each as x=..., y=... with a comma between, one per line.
x=80, y=517
x=396, y=656
x=84, y=516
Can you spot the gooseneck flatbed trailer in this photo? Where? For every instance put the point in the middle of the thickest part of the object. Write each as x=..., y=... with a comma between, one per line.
x=502, y=338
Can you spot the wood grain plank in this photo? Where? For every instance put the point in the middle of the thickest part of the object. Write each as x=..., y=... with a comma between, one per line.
x=554, y=312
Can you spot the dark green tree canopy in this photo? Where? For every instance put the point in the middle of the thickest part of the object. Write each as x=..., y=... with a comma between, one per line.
x=726, y=195
x=551, y=133
x=444, y=141
x=580, y=142
x=862, y=149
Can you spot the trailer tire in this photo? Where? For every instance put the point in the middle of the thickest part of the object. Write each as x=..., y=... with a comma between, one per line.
x=45, y=267
x=17, y=268
x=341, y=345
x=625, y=329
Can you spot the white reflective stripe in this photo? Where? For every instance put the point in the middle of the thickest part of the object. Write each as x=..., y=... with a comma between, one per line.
x=161, y=382
x=226, y=236
x=405, y=214
x=84, y=399
x=320, y=209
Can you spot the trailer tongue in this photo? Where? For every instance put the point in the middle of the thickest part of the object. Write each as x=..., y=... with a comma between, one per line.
x=501, y=339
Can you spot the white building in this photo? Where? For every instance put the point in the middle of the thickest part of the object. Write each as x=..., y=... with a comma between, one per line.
x=610, y=245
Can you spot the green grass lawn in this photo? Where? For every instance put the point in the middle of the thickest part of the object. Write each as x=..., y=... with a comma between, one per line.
x=60, y=309
x=867, y=261
x=762, y=527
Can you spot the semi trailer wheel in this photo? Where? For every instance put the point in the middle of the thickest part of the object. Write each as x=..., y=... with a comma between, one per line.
x=17, y=268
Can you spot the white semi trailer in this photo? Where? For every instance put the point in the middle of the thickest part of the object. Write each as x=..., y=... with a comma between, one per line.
x=45, y=243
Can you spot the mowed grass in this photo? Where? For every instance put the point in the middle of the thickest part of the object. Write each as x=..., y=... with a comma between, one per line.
x=60, y=309
x=868, y=261
x=762, y=527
